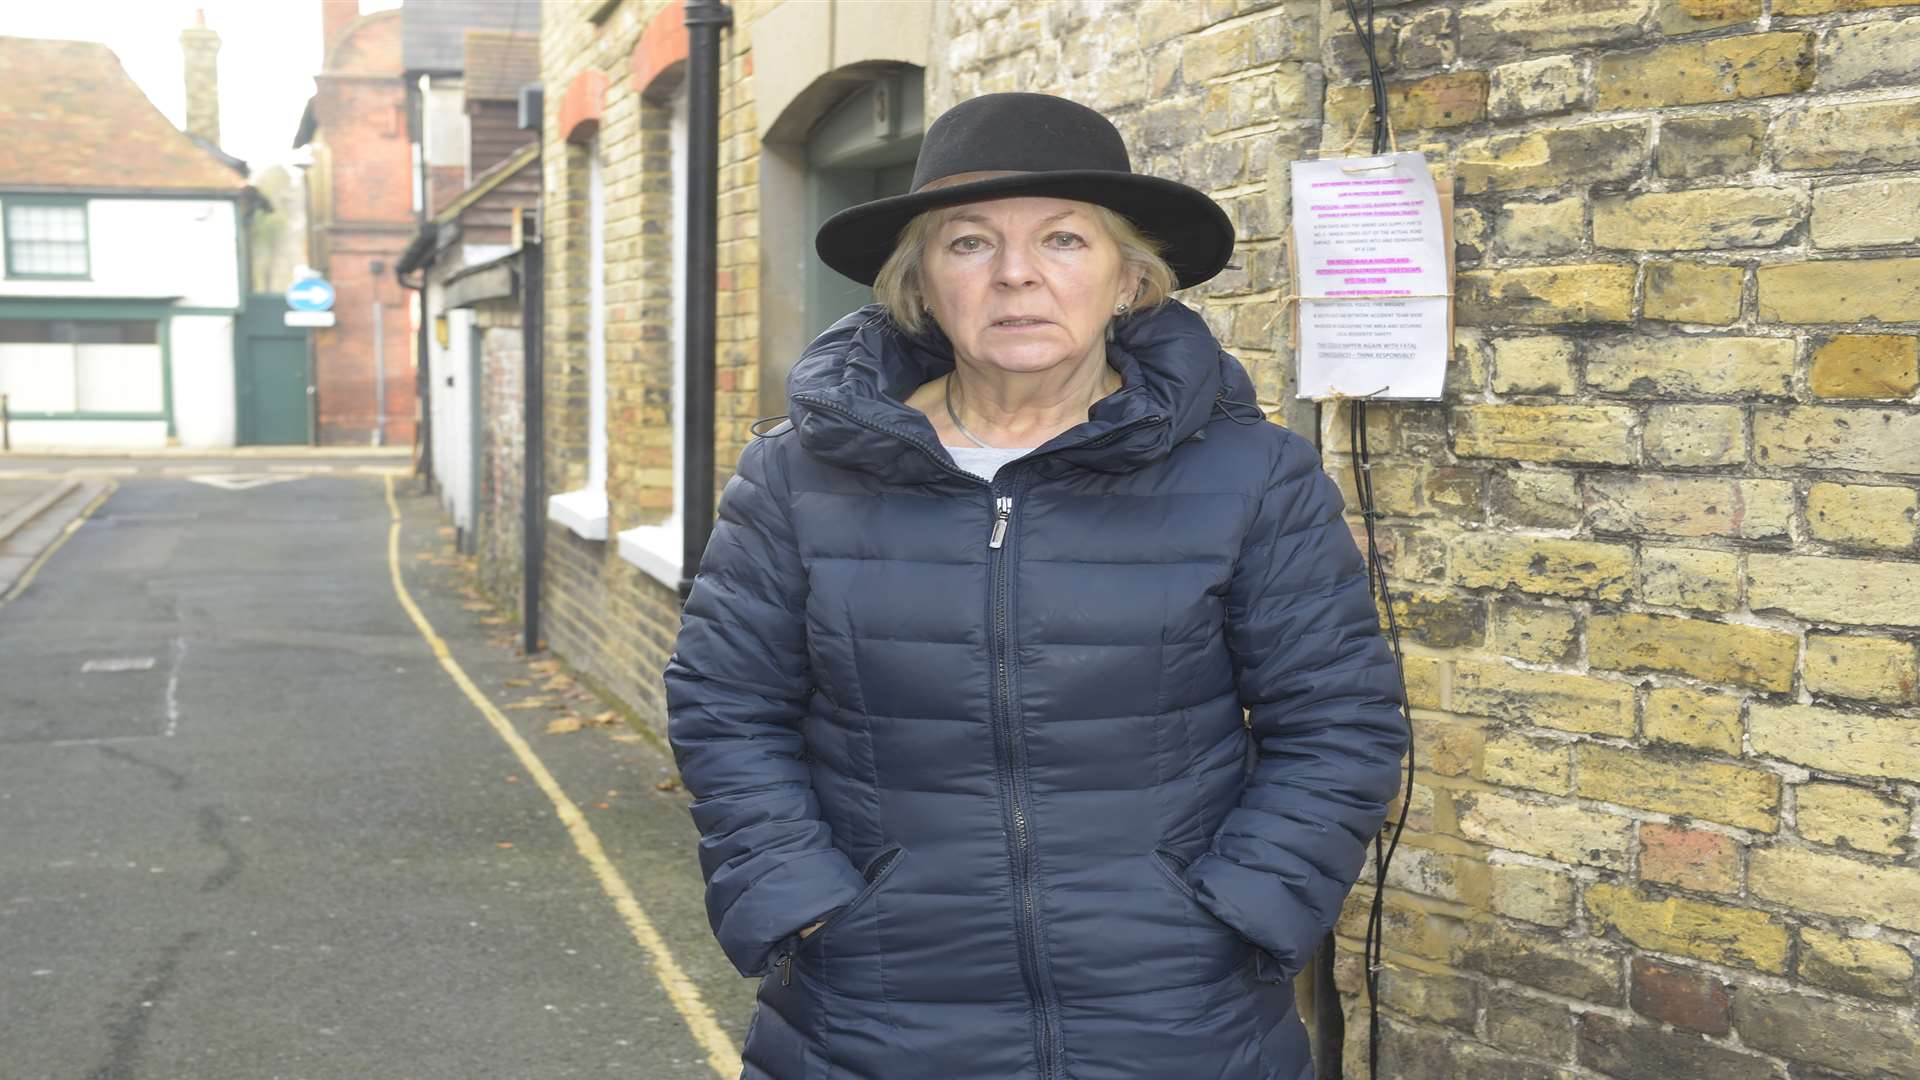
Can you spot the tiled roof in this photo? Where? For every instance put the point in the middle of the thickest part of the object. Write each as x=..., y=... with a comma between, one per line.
x=72, y=118
x=498, y=64
x=433, y=32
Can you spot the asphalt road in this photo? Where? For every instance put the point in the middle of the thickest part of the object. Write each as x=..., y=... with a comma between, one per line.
x=251, y=830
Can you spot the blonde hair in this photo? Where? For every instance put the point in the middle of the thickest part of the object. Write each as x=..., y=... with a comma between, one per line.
x=898, y=286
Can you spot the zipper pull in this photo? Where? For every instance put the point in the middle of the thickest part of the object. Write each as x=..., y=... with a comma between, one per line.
x=785, y=964
x=1002, y=510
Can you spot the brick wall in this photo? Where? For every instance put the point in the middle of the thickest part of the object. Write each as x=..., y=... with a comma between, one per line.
x=602, y=614
x=737, y=328
x=640, y=475
x=1656, y=553
x=501, y=488
x=361, y=210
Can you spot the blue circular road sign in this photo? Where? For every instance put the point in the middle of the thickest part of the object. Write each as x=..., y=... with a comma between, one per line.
x=310, y=294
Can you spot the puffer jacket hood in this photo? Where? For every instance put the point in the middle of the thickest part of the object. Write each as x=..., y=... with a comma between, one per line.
x=847, y=389
x=1075, y=766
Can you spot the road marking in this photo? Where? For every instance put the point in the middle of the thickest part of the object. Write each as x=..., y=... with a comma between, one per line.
x=721, y=1054
x=173, y=686
x=239, y=481
x=118, y=663
x=72, y=527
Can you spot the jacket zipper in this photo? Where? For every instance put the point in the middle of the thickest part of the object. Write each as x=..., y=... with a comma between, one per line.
x=1031, y=960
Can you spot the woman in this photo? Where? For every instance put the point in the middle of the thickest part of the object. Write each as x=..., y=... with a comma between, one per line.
x=1030, y=692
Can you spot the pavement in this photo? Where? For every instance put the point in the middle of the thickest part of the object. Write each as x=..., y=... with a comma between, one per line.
x=255, y=831
x=34, y=513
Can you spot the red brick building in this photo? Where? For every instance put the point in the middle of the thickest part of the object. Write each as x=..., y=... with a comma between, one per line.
x=361, y=216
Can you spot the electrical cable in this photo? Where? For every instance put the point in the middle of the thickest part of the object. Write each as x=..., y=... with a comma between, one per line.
x=1360, y=453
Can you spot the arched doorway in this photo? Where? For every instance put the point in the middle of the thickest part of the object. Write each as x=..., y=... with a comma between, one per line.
x=850, y=136
x=862, y=149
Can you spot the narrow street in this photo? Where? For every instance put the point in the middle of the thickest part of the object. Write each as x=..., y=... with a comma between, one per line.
x=254, y=830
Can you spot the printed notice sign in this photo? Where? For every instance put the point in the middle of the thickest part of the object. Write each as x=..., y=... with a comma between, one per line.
x=1371, y=253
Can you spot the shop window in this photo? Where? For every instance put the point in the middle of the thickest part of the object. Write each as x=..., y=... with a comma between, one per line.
x=55, y=367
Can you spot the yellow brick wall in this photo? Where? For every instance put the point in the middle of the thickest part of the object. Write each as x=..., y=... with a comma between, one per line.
x=1655, y=554
x=737, y=266
x=602, y=614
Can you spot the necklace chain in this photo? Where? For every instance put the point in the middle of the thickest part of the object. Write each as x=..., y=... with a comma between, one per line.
x=954, y=415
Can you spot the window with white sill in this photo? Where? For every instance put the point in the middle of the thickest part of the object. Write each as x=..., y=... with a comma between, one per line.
x=658, y=549
x=585, y=510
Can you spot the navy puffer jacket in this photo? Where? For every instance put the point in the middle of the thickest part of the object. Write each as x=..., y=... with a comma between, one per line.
x=1077, y=766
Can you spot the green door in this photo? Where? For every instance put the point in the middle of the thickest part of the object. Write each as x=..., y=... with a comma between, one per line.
x=270, y=375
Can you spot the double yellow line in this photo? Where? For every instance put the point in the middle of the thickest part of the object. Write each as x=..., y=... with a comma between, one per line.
x=685, y=996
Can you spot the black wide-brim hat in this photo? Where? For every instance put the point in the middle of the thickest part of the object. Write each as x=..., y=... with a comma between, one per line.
x=1055, y=148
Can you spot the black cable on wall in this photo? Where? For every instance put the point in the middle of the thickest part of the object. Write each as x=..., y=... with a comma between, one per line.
x=1359, y=452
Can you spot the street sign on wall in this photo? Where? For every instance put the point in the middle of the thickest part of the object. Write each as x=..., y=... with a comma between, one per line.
x=310, y=294
x=309, y=318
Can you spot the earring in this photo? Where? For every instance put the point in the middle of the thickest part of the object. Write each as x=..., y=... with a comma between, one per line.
x=1122, y=309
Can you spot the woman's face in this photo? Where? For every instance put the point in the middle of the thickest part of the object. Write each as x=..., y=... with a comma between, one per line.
x=1024, y=284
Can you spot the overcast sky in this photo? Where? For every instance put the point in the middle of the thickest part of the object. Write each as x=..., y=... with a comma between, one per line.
x=269, y=54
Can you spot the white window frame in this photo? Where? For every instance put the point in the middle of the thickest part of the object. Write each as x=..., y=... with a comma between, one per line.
x=659, y=550
x=585, y=510
x=80, y=207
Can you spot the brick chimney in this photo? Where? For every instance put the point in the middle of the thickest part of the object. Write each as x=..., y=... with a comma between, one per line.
x=334, y=17
x=202, y=49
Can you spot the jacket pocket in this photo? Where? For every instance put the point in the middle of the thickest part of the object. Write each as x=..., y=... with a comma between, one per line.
x=876, y=872
x=1175, y=867
x=1266, y=968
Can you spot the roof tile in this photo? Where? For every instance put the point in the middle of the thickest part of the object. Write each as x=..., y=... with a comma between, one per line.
x=73, y=118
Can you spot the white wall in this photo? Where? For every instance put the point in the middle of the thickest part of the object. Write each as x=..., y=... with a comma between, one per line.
x=152, y=248
x=120, y=434
x=203, y=381
x=449, y=376
x=446, y=131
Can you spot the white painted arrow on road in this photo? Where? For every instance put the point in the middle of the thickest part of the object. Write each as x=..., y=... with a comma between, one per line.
x=239, y=481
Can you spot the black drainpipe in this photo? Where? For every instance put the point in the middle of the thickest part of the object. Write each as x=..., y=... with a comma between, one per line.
x=533, y=472
x=422, y=335
x=704, y=20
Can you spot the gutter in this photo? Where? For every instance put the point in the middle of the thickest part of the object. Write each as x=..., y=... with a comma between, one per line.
x=419, y=257
x=704, y=19
x=533, y=494
x=422, y=385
